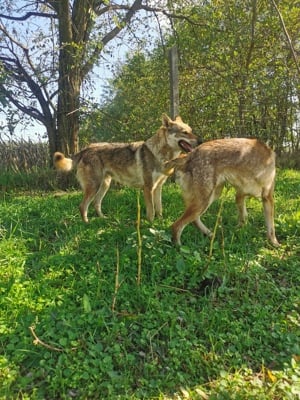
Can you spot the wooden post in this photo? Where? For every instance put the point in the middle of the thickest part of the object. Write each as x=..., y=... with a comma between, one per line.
x=174, y=81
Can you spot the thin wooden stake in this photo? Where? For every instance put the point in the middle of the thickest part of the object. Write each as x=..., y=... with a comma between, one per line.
x=174, y=81
x=139, y=241
x=117, y=281
x=219, y=217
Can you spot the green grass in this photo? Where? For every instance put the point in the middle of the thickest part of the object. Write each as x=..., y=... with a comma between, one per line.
x=75, y=323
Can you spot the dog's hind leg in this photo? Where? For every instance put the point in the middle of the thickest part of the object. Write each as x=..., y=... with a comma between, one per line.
x=241, y=207
x=105, y=184
x=268, y=204
x=89, y=192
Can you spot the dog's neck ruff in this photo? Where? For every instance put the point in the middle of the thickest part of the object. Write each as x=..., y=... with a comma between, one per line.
x=161, y=149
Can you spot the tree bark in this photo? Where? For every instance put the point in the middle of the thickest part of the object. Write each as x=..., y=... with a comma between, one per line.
x=68, y=84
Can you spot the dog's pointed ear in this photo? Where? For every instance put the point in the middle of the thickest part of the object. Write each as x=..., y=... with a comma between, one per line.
x=178, y=118
x=166, y=120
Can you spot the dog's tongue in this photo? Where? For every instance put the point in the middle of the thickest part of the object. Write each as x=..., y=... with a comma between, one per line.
x=185, y=146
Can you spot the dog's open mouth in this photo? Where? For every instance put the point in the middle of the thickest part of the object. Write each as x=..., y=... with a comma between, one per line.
x=185, y=146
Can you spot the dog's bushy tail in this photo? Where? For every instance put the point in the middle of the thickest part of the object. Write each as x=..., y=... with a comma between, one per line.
x=174, y=164
x=62, y=163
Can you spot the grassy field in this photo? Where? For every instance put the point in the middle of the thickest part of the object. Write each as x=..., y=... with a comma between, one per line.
x=112, y=310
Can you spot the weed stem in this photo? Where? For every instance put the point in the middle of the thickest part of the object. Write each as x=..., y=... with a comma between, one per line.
x=37, y=341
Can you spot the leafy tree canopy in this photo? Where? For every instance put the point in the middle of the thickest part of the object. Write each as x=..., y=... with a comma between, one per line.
x=237, y=75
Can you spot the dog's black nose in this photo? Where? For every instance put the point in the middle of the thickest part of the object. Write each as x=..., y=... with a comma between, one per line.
x=199, y=140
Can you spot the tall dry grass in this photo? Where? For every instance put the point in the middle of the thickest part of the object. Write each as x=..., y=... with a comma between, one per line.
x=23, y=156
x=26, y=165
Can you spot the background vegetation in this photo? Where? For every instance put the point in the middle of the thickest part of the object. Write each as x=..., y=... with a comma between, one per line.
x=237, y=78
x=239, y=69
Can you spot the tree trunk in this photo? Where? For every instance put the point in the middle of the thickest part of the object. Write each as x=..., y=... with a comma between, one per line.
x=52, y=138
x=68, y=85
x=68, y=114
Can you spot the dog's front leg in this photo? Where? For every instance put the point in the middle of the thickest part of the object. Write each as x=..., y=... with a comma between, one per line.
x=200, y=225
x=148, y=195
x=157, y=200
x=191, y=214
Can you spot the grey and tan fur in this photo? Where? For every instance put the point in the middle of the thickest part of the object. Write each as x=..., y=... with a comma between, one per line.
x=247, y=164
x=136, y=164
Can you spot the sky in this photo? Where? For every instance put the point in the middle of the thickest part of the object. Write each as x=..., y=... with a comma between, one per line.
x=35, y=131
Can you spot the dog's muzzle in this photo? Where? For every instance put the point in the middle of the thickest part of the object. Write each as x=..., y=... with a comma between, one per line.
x=185, y=146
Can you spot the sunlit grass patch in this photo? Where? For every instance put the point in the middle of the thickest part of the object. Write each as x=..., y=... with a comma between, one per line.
x=214, y=319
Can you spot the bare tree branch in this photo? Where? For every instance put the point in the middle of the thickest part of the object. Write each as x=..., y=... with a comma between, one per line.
x=30, y=111
x=28, y=15
x=286, y=35
x=15, y=69
x=137, y=5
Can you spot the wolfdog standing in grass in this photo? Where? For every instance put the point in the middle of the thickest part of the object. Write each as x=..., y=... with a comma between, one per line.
x=247, y=164
x=136, y=164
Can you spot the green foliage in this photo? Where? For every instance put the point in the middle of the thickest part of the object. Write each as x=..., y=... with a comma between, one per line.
x=237, y=77
x=219, y=327
x=135, y=102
